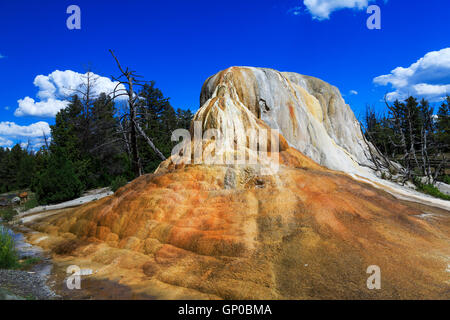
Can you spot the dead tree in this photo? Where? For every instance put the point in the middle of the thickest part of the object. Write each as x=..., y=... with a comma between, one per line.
x=412, y=136
x=397, y=120
x=126, y=84
x=44, y=136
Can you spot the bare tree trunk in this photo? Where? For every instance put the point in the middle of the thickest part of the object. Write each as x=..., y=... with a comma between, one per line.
x=125, y=138
x=412, y=149
x=130, y=81
x=422, y=150
x=374, y=160
x=438, y=169
x=45, y=139
x=150, y=142
x=406, y=153
x=133, y=138
x=131, y=99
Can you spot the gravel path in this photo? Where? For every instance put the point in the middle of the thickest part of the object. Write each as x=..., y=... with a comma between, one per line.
x=15, y=284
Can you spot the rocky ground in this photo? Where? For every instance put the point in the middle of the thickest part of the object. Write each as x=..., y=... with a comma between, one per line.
x=31, y=283
x=18, y=285
x=39, y=283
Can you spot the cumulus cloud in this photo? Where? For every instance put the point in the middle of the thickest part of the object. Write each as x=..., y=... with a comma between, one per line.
x=429, y=78
x=45, y=108
x=55, y=88
x=353, y=92
x=33, y=133
x=321, y=9
x=13, y=130
x=5, y=142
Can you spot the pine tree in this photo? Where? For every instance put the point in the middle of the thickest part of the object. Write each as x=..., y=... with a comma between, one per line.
x=184, y=118
x=159, y=121
x=443, y=124
x=105, y=148
x=59, y=181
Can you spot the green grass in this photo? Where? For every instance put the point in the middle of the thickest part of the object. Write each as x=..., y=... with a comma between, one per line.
x=27, y=263
x=433, y=191
x=8, y=253
x=31, y=203
x=7, y=214
x=430, y=190
x=445, y=179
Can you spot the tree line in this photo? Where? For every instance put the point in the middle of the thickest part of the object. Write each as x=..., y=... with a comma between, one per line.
x=412, y=135
x=96, y=141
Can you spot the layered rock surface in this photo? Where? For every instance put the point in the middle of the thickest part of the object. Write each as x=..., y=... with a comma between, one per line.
x=227, y=231
x=310, y=114
x=182, y=234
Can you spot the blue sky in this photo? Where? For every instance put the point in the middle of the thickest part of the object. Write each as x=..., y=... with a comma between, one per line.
x=181, y=43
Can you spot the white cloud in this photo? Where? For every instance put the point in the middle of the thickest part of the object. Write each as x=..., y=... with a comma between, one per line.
x=321, y=9
x=429, y=77
x=33, y=144
x=55, y=88
x=6, y=108
x=10, y=131
x=295, y=11
x=13, y=130
x=46, y=108
x=5, y=142
x=353, y=92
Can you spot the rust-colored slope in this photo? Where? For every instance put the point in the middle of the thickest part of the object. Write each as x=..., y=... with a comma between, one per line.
x=306, y=233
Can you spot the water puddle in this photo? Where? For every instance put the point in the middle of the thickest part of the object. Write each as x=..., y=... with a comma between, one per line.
x=56, y=275
x=26, y=251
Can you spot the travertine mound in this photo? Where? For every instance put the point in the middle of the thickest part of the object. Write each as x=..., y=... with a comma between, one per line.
x=229, y=231
x=303, y=234
x=309, y=113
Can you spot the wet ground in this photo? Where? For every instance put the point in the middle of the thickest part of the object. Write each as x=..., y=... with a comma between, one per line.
x=31, y=283
x=47, y=280
x=93, y=289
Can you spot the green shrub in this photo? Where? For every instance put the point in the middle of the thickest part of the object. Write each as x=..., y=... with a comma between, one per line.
x=8, y=254
x=58, y=182
x=445, y=179
x=430, y=190
x=433, y=191
x=7, y=214
x=31, y=203
x=117, y=183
